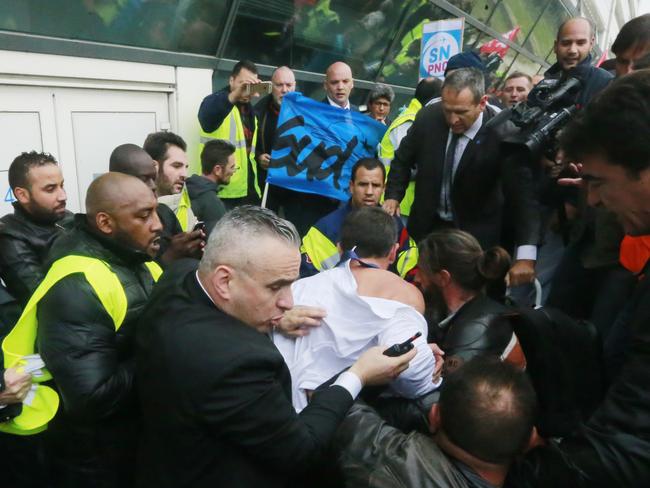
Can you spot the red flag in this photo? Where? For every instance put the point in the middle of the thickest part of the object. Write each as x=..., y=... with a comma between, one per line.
x=602, y=59
x=498, y=46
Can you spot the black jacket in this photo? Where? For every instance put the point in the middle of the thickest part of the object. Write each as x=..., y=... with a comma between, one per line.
x=94, y=433
x=484, y=180
x=475, y=330
x=375, y=455
x=594, y=80
x=267, y=115
x=24, y=244
x=206, y=205
x=613, y=447
x=216, y=397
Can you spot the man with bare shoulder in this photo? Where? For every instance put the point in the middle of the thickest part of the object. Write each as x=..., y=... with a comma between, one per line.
x=363, y=305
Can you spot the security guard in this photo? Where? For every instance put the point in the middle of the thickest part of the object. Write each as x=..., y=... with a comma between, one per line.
x=427, y=89
x=229, y=115
x=319, y=246
x=81, y=320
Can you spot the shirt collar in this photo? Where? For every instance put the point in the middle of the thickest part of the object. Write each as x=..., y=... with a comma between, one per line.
x=198, y=280
x=334, y=104
x=476, y=126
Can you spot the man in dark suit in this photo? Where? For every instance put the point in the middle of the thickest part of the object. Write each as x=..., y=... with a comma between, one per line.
x=462, y=176
x=215, y=392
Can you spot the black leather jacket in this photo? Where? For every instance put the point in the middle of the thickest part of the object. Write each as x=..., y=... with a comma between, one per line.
x=24, y=244
x=95, y=430
x=473, y=331
x=375, y=455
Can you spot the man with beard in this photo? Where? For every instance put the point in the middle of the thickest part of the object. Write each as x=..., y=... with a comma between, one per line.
x=26, y=235
x=83, y=316
x=174, y=243
x=168, y=152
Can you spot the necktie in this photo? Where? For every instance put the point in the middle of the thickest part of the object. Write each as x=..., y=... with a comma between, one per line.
x=447, y=174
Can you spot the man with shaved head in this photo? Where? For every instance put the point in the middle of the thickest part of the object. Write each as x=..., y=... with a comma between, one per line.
x=267, y=111
x=575, y=39
x=100, y=278
x=174, y=243
x=338, y=85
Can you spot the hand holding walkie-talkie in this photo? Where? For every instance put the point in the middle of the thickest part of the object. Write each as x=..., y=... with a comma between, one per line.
x=399, y=349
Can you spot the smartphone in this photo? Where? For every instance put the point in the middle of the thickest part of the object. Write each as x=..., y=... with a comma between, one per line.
x=200, y=225
x=262, y=88
x=399, y=349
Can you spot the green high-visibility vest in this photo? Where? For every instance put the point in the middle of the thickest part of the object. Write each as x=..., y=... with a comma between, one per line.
x=42, y=402
x=232, y=130
x=387, y=152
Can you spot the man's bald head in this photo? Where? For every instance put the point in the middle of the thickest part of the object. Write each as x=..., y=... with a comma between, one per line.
x=339, y=83
x=111, y=191
x=575, y=22
x=123, y=208
x=575, y=38
x=284, y=81
x=132, y=160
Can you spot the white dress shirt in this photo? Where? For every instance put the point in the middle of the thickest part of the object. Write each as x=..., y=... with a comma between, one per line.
x=353, y=325
x=334, y=104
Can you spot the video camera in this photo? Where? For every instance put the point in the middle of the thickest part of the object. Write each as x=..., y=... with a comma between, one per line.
x=550, y=105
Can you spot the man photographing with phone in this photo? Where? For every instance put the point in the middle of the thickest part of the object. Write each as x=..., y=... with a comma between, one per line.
x=228, y=115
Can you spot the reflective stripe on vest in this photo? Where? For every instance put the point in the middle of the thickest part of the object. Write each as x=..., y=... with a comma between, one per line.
x=232, y=130
x=387, y=153
x=322, y=252
x=19, y=346
x=182, y=213
x=407, y=259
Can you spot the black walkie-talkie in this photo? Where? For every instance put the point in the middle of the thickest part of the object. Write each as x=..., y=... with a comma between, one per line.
x=403, y=348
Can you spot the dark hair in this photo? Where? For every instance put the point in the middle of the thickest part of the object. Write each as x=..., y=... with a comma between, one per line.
x=461, y=255
x=428, y=89
x=462, y=78
x=19, y=168
x=635, y=32
x=643, y=62
x=518, y=74
x=614, y=126
x=487, y=408
x=369, y=164
x=215, y=152
x=371, y=230
x=243, y=64
x=157, y=144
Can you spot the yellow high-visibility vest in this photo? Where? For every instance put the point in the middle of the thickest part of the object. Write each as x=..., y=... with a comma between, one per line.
x=183, y=213
x=42, y=402
x=387, y=153
x=232, y=130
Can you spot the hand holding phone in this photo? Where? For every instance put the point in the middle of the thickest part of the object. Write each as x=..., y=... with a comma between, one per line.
x=399, y=349
x=262, y=88
x=200, y=225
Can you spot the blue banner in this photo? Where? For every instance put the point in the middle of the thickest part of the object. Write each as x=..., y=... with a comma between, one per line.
x=316, y=146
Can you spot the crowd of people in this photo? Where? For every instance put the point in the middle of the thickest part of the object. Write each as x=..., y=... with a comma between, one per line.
x=179, y=334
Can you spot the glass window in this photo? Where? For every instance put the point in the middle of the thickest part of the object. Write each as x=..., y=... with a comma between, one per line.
x=176, y=25
x=312, y=34
x=402, y=62
x=543, y=36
